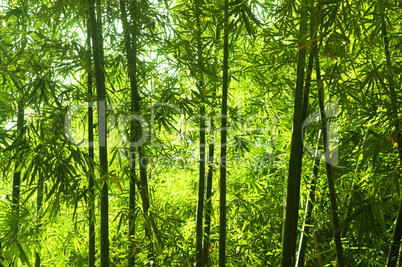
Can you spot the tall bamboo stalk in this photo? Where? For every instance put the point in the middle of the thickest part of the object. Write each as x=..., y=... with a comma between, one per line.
x=16, y=190
x=39, y=201
x=91, y=191
x=135, y=109
x=131, y=51
x=329, y=169
x=305, y=233
x=201, y=181
x=296, y=152
x=208, y=196
x=223, y=161
x=305, y=227
x=137, y=127
x=211, y=152
x=101, y=93
x=208, y=203
x=17, y=173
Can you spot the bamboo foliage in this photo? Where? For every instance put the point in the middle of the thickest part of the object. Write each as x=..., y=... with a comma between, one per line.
x=397, y=235
x=148, y=190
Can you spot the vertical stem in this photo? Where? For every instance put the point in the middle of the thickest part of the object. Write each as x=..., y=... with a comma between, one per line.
x=296, y=152
x=306, y=228
x=135, y=109
x=39, y=199
x=223, y=161
x=17, y=174
x=208, y=197
x=91, y=192
x=98, y=7
x=132, y=69
x=211, y=151
x=208, y=202
x=201, y=181
x=101, y=92
x=309, y=210
x=138, y=129
x=201, y=190
x=16, y=190
x=317, y=248
x=334, y=207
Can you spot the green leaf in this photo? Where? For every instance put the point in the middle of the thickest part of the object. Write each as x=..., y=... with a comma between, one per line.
x=251, y=15
x=249, y=28
x=23, y=255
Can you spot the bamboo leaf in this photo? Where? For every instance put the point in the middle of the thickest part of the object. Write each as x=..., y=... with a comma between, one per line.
x=23, y=256
x=251, y=15
x=249, y=28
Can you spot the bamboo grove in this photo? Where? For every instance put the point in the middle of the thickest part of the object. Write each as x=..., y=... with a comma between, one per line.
x=200, y=133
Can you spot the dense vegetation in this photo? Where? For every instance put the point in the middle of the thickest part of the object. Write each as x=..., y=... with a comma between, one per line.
x=207, y=133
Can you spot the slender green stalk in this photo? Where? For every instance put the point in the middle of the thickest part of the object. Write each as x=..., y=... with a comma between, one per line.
x=132, y=69
x=17, y=174
x=101, y=92
x=208, y=197
x=201, y=190
x=296, y=152
x=305, y=229
x=39, y=200
x=305, y=233
x=98, y=7
x=211, y=152
x=91, y=192
x=332, y=196
x=16, y=190
x=201, y=181
x=138, y=129
x=135, y=109
x=208, y=203
x=223, y=161
x=307, y=86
